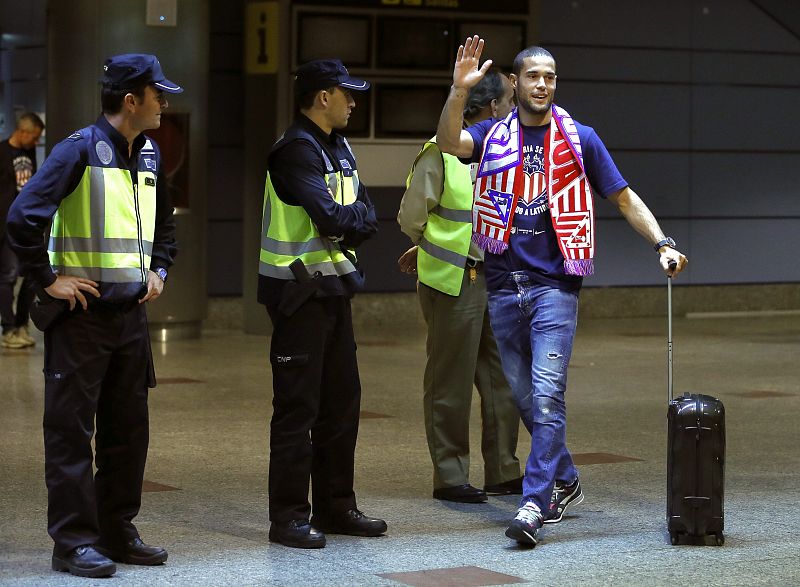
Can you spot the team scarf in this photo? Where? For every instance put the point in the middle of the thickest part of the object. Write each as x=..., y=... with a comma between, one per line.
x=500, y=180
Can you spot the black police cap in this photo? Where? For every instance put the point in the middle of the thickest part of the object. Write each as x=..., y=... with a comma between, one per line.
x=125, y=72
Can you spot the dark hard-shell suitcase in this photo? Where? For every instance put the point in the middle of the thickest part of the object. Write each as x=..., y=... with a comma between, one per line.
x=695, y=460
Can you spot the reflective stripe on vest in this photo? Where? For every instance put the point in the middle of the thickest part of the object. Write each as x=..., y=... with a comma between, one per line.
x=288, y=233
x=104, y=229
x=442, y=254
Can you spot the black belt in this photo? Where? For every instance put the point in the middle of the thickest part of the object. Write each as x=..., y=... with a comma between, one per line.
x=95, y=305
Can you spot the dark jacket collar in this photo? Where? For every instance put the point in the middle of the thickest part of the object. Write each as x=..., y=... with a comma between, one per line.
x=120, y=142
x=326, y=139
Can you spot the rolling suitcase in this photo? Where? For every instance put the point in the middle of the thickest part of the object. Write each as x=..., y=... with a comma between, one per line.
x=695, y=460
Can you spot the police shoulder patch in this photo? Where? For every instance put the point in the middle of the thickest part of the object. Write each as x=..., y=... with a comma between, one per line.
x=104, y=152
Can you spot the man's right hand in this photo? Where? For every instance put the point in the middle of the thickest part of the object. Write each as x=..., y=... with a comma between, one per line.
x=408, y=261
x=70, y=288
x=466, y=72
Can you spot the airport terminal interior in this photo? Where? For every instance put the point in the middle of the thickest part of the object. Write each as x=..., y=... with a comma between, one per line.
x=696, y=101
x=206, y=480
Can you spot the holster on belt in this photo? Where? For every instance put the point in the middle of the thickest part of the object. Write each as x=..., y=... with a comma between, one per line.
x=298, y=292
x=46, y=309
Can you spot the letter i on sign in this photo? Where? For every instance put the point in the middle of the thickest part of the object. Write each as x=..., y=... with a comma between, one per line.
x=261, y=38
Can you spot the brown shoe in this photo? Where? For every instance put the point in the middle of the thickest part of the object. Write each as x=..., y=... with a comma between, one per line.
x=23, y=334
x=12, y=341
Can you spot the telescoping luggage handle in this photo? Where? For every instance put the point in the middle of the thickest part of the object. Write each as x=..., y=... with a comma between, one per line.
x=672, y=267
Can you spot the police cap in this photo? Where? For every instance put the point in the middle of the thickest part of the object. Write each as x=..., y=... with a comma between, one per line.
x=325, y=73
x=126, y=72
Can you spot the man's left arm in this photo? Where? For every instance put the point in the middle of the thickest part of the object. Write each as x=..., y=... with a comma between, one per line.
x=164, y=244
x=642, y=220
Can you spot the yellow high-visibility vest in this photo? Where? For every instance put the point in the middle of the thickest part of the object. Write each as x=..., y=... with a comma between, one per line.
x=288, y=233
x=442, y=254
x=103, y=230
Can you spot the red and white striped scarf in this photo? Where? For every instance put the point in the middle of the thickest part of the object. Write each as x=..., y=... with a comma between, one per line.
x=500, y=181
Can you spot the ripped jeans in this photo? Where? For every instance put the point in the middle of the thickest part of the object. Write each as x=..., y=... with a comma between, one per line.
x=534, y=326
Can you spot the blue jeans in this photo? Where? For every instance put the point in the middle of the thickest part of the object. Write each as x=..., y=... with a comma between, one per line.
x=535, y=326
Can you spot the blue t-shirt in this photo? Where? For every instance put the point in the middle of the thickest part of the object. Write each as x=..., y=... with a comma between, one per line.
x=532, y=246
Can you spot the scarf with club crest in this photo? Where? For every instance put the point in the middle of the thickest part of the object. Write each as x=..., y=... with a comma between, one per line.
x=500, y=181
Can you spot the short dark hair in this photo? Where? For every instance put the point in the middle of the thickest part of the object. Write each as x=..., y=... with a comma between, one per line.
x=306, y=100
x=111, y=99
x=32, y=119
x=532, y=51
x=488, y=89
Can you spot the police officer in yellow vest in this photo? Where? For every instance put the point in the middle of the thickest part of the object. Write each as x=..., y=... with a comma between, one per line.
x=111, y=244
x=316, y=211
x=436, y=213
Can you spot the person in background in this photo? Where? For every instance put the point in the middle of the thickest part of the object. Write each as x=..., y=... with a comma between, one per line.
x=435, y=213
x=17, y=165
x=111, y=244
x=538, y=171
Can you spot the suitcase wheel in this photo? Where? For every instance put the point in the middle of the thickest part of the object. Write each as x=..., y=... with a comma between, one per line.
x=673, y=538
x=720, y=539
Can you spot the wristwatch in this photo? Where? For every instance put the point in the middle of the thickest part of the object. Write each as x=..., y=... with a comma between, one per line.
x=666, y=241
x=162, y=273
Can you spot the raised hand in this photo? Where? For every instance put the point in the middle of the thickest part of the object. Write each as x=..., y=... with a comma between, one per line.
x=466, y=72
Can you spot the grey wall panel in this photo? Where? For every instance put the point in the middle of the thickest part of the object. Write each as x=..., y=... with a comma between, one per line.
x=738, y=25
x=226, y=52
x=378, y=258
x=28, y=63
x=785, y=11
x=623, y=257
x=226, y=17
x=662, y=179
x=745, y=251
x=226, y=125
x=623, y=64
x=225, y=183
x=224, y=258
x=745, y=184
x=745, y=119
x=631, y=116
x=616, y=22
x=28, y=95
x=386, y=201
x=746, y=68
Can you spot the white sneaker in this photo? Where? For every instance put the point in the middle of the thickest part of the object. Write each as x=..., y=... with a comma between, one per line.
x=563, y=496
x=23, y=334
x=524, y=528
x=12, y=341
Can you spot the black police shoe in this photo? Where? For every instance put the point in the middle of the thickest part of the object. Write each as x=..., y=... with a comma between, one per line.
x=134, y=552
x=461, y=493
x=351, y=522
x=84, y=561
x=297, y=534
x=512, y=486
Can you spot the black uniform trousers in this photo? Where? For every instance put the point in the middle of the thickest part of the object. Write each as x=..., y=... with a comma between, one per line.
x=98, y=366
x=316, y=402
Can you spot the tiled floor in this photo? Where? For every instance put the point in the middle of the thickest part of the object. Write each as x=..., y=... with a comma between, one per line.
x=206, y=493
